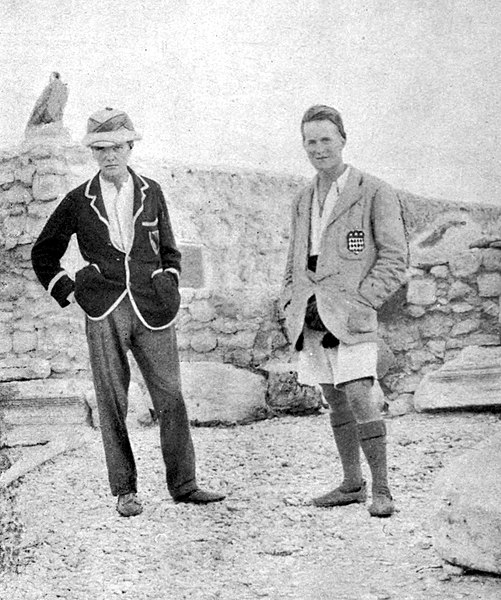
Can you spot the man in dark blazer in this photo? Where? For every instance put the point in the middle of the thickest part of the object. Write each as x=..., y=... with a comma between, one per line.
x=129, y=293
x=347, y=255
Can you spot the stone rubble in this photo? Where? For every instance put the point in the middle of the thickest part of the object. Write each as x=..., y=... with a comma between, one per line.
x=467, y=530
x=65, y=540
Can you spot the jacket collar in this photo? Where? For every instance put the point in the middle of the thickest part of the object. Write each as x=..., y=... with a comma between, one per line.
x=93, y=193
x=349, y=195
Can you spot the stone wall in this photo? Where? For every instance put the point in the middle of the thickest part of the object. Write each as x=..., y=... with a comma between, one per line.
x=240, y=221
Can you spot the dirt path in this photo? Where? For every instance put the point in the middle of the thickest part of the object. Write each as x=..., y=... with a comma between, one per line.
x=264, y=541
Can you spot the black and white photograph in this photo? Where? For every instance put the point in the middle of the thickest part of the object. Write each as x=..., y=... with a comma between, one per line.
x=250, y=300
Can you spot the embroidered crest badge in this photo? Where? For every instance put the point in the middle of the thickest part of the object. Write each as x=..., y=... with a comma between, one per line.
x=355, y=241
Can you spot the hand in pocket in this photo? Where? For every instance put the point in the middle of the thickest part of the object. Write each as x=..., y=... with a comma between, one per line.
x=362, y=318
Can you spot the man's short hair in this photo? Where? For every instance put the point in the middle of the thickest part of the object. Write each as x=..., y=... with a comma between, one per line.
x=321, y=112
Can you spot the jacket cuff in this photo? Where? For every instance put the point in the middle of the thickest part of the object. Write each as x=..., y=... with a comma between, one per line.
x=175, y=272
x=61, y=287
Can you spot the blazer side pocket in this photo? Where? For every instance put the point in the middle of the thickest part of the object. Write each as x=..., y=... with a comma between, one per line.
x=361, y=318
x=167, y=292
x=88, y=284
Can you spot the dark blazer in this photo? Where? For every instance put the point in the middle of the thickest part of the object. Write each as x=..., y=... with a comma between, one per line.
x=362, y=261
x=148, y=273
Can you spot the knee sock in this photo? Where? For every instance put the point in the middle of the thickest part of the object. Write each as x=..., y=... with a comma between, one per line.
x=373, y=441
x=345, y=432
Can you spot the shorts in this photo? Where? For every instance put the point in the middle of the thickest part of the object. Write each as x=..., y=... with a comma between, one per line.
x=346, y=362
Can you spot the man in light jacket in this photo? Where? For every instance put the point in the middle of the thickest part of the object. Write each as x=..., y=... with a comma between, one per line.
x=128, y=291
x=347, y=255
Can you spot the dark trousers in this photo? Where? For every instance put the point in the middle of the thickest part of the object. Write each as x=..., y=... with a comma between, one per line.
x=156, y=354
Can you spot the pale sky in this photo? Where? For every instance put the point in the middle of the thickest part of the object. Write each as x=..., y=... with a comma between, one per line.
x=225, y=82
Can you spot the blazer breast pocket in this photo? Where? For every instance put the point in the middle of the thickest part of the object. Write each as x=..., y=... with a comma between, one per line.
x=151, y=228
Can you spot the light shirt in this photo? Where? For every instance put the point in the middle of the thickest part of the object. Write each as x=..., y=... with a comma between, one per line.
x=119, y=206
x=319, y=221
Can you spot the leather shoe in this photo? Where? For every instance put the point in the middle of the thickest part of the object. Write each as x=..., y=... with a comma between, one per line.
x=382, y=505
x=128, y=505
x=340, y=497
x=200, y=497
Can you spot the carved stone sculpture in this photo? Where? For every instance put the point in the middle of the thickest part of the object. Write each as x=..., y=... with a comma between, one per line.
x=50, y=105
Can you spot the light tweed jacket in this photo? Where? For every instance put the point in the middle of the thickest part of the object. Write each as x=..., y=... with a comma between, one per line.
x=362, y=260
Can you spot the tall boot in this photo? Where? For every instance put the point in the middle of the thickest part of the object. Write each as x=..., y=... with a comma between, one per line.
x=372, y=437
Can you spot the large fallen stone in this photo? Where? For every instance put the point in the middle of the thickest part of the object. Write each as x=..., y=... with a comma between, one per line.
x=467, y=529
x=34, y=457
x=447, y=239
x=470, y=381
x=35, y=412
x=221, y=393
x=285, y=395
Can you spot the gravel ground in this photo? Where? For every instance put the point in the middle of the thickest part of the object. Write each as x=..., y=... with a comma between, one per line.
x=264, y=541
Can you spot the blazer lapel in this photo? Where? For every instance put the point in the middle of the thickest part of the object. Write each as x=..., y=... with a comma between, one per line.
x=140, y=187
x=349, y=195
x=93, y=193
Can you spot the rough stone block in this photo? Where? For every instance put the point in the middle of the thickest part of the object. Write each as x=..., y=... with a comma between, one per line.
x=408, y=383
x=41, y=210
x=241, y=339
x=202, y=310
x=489, y=284
x=48, y=187
x=491, y=308
x=435, y=325
x=204, y=341
x=465, y=264
x=34, y=412
x=221, y=393
x=437, y=347
x=51, y=166
x=224, y=325
x=459, y=290
x=402, y=405
x=417, y=358
x=483, y=339
x=15, y=226
x=422, y=292
x=192, y=274
x=415, y=311
x=491, y=259
x=17, y=194
x=440, y=271
x=462, y=307
x=24, y=341
x=465, y=326
x=16, y=369
x=285, y=395
x=467, y=525
x=25, y=173
x=470, y=381
x=6, y=175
